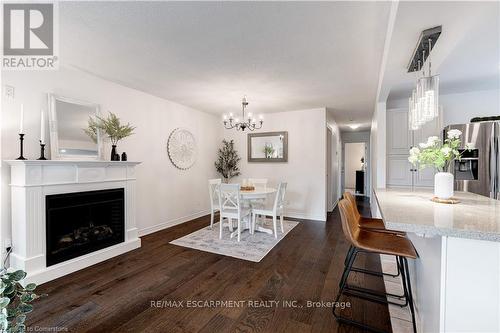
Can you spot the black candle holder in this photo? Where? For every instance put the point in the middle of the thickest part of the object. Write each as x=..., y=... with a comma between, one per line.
x=42, y=151
x=21, y=139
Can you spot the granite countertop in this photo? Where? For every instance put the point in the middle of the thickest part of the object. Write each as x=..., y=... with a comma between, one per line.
x=475, y=217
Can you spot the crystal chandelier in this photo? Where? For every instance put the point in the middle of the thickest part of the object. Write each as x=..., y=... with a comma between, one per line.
x=247, y=121
x=424, y=99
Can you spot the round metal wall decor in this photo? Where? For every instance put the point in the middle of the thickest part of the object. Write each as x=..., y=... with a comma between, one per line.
x=182, y=148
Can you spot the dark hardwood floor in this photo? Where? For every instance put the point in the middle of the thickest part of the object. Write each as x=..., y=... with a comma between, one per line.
x=117, y=295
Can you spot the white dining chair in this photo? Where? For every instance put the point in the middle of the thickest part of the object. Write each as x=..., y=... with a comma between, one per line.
x=259, y=184
x=273, y=208
x=213, y=190
x=230, y=207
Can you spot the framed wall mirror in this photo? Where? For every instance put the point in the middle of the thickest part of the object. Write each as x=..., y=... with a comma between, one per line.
x=268, y=147
x=68, y=119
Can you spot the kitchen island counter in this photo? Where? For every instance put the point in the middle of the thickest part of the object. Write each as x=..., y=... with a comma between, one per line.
x=474, y=217
x=457, y=273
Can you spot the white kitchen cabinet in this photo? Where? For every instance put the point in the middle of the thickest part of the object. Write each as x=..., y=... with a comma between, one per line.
x=398, y=136
x=399, y=141
x=399, y=170
x=424, y=177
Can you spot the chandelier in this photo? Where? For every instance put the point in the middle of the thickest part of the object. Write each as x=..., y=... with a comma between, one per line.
x=246, y=122
x=424, y=99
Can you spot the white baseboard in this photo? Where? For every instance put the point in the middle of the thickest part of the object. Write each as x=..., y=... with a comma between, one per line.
x=171, y=223
x=187, y=218
x=301, y=215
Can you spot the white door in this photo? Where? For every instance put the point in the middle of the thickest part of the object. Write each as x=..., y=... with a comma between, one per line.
x=332, y=167
x=329, y=175
x=335, y=169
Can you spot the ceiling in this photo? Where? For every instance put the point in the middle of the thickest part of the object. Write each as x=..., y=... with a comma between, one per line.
x=466, y=56
x=282, y=55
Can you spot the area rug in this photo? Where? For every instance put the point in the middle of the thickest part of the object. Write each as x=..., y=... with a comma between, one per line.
x=251, y=247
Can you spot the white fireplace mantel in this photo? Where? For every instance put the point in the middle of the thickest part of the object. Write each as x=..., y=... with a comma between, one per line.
x=32, y=180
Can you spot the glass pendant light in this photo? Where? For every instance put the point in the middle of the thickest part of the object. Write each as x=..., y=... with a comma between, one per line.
x=424, y=100
x=414, y=104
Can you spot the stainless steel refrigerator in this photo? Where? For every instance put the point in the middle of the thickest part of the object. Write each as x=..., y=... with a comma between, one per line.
x=478, y=171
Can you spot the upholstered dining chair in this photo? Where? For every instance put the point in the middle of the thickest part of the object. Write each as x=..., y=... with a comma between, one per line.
x=272, y=208
x=230, y=207
x=213, y=191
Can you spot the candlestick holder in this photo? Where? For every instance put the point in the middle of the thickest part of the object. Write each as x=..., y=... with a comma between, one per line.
x=42, y=151
x=21, y=144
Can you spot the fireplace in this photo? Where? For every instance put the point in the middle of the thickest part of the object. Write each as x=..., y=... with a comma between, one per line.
x=83, y=222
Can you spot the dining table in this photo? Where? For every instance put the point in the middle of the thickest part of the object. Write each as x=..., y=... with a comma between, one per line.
x=250, y=196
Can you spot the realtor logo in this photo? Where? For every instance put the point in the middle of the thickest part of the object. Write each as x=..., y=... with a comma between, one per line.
x=29, y=36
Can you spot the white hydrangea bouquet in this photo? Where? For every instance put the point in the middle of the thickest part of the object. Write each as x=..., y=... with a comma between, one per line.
x=435, y=153
x=438, y=154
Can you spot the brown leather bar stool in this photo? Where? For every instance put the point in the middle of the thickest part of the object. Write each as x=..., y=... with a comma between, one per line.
x=378, y=243
x=373, y=224
x=368, y=222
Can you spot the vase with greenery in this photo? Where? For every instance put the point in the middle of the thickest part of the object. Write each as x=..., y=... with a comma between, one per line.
x=227, y=161
x=438, y=154
x=15, y=302
x=112, y=127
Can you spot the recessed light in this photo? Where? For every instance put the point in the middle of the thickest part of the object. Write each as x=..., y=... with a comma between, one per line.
x=354, y=126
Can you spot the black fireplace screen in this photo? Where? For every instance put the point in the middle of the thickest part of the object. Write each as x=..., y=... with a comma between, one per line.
x=83, y=222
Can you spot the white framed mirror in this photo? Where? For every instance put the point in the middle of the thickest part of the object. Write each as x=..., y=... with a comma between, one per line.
x=68, y=119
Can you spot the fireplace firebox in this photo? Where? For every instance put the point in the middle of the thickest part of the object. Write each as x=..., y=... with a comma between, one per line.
x=83, y=222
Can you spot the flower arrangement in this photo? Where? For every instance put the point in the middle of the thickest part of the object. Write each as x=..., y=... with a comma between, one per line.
x=437, y=154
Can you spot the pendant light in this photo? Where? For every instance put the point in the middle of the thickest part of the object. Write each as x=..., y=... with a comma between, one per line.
x=423, y=103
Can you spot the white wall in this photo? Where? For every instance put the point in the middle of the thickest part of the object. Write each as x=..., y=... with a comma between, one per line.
x=378, y=152
x=354, y=151
x=305, y=170
x=459, y=108
x=165, y=195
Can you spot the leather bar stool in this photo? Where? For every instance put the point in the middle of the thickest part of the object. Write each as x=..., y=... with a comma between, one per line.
x=370, y=224
x=378, y=243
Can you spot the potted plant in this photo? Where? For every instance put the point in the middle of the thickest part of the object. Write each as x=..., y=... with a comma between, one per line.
x=15, y=301
x=439, y=155
x=227, y=161
x=112, y=127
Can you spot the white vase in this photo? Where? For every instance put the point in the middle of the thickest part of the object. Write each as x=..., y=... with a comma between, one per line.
x=443, y=185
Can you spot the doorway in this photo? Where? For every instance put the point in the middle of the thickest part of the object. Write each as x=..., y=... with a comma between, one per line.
x=332, y=169
x=355, y=167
